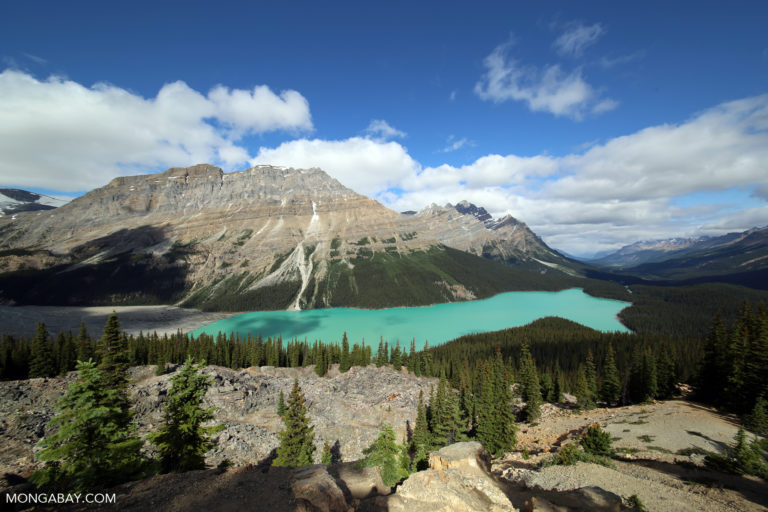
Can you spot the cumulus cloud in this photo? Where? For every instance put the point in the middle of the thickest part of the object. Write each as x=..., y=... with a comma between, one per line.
x=380, y=129
x=61, y=135
x=622, y=190
x=577, y=38
x=603, y=197
x=367, y=166
x=549, y=89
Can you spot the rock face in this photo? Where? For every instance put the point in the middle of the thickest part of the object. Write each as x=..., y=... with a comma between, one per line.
x=347, y=410
x=287, y=234
x=458, y=480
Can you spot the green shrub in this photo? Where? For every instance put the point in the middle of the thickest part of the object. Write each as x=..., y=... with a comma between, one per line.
x=597, y=441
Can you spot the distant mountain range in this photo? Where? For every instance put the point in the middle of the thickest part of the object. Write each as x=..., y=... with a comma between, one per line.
x=13, y=200
x=264, y=238
x=738, y=258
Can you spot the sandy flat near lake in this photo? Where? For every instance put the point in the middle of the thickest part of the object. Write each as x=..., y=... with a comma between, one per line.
x=23, y=320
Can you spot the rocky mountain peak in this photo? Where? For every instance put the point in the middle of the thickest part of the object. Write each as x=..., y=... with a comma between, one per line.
x=467, y=208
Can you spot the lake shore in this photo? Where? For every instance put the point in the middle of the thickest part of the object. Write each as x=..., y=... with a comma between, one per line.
x=23, y=320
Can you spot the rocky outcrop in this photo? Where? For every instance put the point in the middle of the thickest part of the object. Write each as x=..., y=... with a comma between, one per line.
x=315, y=490
x=347, y=409
x=458, y=480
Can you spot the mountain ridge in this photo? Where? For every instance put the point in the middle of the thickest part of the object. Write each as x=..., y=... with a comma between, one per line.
x=278, y=236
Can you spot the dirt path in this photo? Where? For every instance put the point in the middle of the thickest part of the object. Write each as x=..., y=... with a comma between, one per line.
x=649, y=439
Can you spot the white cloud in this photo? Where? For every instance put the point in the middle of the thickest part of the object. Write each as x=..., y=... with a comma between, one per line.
x=453, y=94
x=577, y=38
x=454, y=143
x=365, y=165
x=622, y=190
x=58, y=134
x=379, y=129
x=607, y=196
x=550, y=89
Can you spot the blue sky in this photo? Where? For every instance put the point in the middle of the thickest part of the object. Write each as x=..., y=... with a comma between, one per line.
x=596, y=123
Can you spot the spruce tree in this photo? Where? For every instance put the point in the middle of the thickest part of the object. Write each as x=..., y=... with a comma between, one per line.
x=112, y=350
x=713, y=372
x=610, y=391
x=397, y=359
x=386, y=455
x=42, y=362
x=558, y=387
x=439, y=421
x=84, y=348
x=547, y=387
x=296, y=448
x=326, y=458
x=91, y=447
x=757, y=420
x=421, y=441
x=530, y=390
x=67, y=352
x=182, y=441
x=581, y=389
x=590, y=372
x=281, y=407
x=344, y=361
x=321, y=361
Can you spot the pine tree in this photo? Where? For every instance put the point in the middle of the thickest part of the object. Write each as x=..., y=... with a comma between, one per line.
x=713, y=372
x=91, y=447
x=67, y=353
x=397, y=359
x=590, y=372
x=326, y=457
x=112, y=351
x=344, y=361
x=321, y=362
x=581, y=389
x=182, y=441
x=381, y=355
x=281, y=407
x=558, y=388
x=547, y=387
x=496, y=427
x=386, y=455
x=296, y=448
x=610, y=391
x=757, y=420
x=160, y=366
x=42, y=363
x=439, y=421
x=84, y=349
x=665, y=376
x=530, y=391
x=421, y=441
x=457, y=420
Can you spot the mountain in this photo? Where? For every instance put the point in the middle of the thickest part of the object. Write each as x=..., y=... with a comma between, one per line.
x=735, y=254
x=264, y=238
x=14, y=200
x=651, y=251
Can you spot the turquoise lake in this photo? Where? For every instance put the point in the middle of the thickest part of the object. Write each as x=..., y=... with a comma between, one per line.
x=437, y=324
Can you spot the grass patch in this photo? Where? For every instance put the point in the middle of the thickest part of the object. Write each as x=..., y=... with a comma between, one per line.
x=625, y=450
x=646, y=438
x=570, y=454
x=692, y=450
x=638, y=422
x=659, y=449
